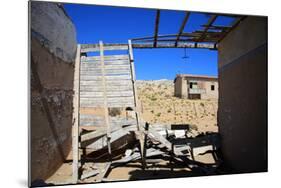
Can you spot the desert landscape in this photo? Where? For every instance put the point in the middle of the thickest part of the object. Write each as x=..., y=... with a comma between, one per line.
x=159, y=105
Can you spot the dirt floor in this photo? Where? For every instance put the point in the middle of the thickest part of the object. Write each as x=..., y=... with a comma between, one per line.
x=133, y=171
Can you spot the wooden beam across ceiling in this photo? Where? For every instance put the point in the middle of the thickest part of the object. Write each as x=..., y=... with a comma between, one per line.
x=156, y=28
x=207, y=26
x=182, y=27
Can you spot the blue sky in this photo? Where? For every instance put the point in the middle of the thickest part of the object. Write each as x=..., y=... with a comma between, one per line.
x=118, y=24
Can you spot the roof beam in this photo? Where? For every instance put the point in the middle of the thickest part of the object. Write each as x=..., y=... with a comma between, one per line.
x=182, y=27
x=210, y=46
x=157, y=19
x=207, y=26
x=233, y=25
x=164, y=36
x=213, y=39
x=183, y=44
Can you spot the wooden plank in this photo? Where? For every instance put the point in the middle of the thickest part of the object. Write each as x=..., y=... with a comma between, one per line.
x=107, y=124
x=210, y=38
x=209, y=23
x=156, y=136
x=139, y=134
x=143, y=39
x=121, y=71
x=133, y=76
x=97, y=69
x=109, y=90
x=182, y=27
x=108, y=82
x=111, y=94
x=75, y=118
x=157, y=20
x=107, y=69
x=97, y=84
x=103, y=141
x=136, y=156
x=109, y=66
x=120, y=88
x=107, y=73
x=180, y=45
x=103, y=171
x=89, y=174
x=92, y=117
x=102, y=132
x=105, y=48
x=121, y=77
x=100, y=123
x=111, y=105
x=106, y=58
x=90, y=100
x=96, y=64
x=93, y=134
x=124, y=121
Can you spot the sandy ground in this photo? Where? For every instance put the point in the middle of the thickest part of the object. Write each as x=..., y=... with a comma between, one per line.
x=158, y=105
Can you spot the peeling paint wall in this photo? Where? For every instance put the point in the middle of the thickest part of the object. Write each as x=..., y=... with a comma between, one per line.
x=242, y=116
x=53, y=49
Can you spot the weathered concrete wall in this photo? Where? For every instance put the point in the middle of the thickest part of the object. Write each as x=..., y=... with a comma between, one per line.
x=181, y=87
x=53, y=49
x=209, y=94
x=242, y=117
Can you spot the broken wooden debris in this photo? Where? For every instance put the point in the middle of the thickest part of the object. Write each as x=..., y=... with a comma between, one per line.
x=104, y=171
x=158, y=137
x=88, y=174
x=102, y=142
x=136, y=156
x=103, y=131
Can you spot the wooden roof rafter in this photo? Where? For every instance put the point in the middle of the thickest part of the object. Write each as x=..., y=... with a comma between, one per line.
x=156, y=28
x=211, y=20
x=233, y=25
x=182, y=27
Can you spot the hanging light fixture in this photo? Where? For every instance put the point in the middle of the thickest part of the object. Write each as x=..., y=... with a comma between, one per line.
x=185, y=55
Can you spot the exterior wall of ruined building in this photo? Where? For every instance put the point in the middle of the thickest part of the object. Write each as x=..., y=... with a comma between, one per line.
x=242, y=117
x=206, y=85
x=53, y=49
x=180, y=87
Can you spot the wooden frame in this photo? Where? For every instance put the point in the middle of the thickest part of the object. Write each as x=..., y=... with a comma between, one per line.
x=75, y=117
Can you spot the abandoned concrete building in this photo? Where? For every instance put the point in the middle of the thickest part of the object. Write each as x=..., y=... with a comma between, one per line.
x=58, y=94
x=196, y=86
